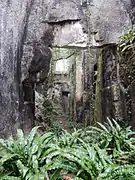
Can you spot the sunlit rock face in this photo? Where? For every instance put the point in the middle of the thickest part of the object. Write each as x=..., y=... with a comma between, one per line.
x=67, y=17
x=71, y=35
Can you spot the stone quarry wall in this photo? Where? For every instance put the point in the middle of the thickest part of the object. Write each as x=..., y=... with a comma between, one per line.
x=13, y=30
x=80, y=29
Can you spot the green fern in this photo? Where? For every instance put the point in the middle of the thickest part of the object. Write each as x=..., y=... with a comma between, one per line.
x=103, y=152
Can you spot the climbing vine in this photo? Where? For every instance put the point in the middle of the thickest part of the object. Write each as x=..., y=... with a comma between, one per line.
x=126, y=47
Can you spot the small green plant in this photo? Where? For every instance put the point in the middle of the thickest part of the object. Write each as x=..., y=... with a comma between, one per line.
x=127, y=41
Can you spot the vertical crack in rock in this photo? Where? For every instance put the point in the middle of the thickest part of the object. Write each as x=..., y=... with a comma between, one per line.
x=37, y=73
x=19, y=54
x=111, y=96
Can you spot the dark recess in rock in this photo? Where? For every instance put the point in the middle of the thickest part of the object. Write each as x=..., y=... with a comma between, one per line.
x=63, y=22
x=38, y=71
x=18, y=58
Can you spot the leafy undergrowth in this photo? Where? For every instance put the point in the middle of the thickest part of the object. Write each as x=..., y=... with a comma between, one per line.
x=106, y=152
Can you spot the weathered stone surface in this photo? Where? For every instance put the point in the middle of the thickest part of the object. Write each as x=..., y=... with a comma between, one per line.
x=111, y=94
x=63, y=10
x=71, y=34
x=109, y=20
x=131, y=10
x=14, y=20
x=68, y=21
x=20, y=22
x=39, y=99
x=23, y=22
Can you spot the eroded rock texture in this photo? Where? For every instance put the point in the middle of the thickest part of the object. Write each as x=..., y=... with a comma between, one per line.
x=16, y=30
x=37, y=74
x=82, y=27
x=111, y=97
x=13, y=30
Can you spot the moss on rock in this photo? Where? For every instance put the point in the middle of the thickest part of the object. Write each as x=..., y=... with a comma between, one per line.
x=97, y=105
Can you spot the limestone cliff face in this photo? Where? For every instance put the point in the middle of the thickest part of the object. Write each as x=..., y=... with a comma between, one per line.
x=109, y=19
x=78, y=26
x=15, y=29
